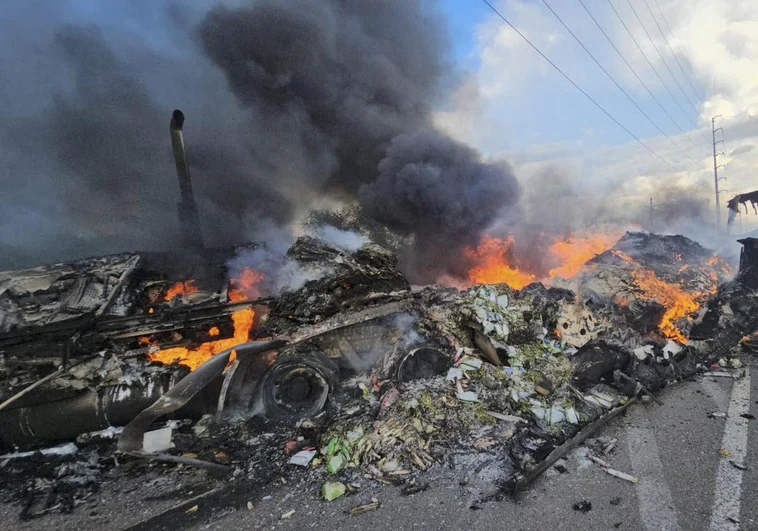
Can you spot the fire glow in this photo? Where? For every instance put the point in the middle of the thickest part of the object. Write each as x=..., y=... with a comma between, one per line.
x=574, y=252
x=678, y=302
x=494, y=264
x=243, y=288
x=180, y=289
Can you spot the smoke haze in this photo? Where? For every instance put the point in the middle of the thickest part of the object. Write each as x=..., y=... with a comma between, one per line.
x=287, y=102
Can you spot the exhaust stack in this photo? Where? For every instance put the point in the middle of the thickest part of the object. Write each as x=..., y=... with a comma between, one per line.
x=188, y=214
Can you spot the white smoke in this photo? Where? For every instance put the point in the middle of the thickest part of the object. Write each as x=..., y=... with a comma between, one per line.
x=280, y=273
x=343, y=239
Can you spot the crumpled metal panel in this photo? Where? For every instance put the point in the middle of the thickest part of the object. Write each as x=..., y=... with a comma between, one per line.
x=52, y=294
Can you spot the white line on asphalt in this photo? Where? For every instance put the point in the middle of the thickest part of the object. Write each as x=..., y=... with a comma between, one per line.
x=716, y=393
x=725, y=513
x=657, y=510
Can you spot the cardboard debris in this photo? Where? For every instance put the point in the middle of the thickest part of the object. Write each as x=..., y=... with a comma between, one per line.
x=454, y=373
x=468, y=396
x=303, y=457
x=469, y=363
x=157, y=441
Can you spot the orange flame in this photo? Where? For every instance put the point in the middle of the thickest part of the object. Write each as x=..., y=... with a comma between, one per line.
x=245, y=288
x=493, y=267
x=246, y=285
x=180, y=288
x=574, y=252
x=678, y=303
x=193, y=358
x=716, y=262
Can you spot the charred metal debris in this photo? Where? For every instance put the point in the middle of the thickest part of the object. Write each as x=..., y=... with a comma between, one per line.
x=354, y=375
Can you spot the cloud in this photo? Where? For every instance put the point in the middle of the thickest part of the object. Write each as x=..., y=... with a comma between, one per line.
x=720, y=42
x=505, y=97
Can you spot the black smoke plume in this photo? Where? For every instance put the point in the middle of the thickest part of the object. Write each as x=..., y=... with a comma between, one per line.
x=438, y=192
x=287, y=102
x=342, y=78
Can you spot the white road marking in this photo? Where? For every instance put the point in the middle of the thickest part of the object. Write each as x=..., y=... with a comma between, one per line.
x=657, y=510
x=725, y=514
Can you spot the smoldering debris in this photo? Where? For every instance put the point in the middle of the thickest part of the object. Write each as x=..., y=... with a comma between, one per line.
x=278, y=272
x=348, y=240
x=385, y=383
x=369, y=274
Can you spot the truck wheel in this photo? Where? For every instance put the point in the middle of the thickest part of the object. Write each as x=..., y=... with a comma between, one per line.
x=297, y=385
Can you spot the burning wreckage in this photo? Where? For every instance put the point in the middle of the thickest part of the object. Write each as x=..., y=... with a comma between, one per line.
x=197, y=372
x=137, y=362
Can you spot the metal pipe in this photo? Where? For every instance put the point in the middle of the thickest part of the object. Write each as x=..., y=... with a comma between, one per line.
x=188, y=214
x=85, y=412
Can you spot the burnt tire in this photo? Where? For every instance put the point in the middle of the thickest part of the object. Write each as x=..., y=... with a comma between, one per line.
x=422, y=363
x=297, y=385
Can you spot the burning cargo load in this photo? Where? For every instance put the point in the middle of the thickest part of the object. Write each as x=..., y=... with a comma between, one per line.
x=658, y=282
x=495, y=260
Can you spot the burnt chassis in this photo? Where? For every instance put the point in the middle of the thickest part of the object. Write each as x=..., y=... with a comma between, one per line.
x=293, y=384
x=311, y=360
x=301, y=377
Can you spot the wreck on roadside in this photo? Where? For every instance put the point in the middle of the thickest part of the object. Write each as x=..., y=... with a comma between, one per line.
x=379, y=377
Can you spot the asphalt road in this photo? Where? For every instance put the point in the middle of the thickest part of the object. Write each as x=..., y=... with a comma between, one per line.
x=677, y=451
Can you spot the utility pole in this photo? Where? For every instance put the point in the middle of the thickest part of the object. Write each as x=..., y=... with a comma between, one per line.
x=651, y=214
x=716, y=167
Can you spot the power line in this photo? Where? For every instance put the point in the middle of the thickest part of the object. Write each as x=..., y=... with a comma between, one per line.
x=686, y=78
x=634, y=72
x=655, y=47
x=668, y=27
x=580, y=89
x=616, y=82
x=650, y=64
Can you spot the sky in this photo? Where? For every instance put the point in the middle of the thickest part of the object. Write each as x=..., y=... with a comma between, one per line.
x=511, y=103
